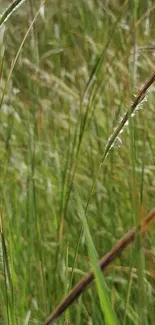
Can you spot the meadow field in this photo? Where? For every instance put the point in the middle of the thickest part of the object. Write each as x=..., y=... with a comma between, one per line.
x=77, y=159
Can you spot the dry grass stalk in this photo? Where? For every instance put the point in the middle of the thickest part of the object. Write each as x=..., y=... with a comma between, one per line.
x=104, y=262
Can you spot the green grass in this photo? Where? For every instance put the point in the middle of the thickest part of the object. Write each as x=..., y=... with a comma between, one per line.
x=110, y=317
x=69, y=74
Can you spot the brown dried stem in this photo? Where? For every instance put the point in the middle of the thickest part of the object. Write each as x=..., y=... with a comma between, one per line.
x=104, y=262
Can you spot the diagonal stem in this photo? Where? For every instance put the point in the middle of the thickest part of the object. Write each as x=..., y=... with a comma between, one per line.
x=81, y=286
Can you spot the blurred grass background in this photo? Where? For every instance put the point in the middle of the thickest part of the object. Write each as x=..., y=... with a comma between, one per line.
x=55, y=119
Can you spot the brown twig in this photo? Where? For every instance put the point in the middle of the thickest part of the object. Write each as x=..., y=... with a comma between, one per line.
x=104, y=262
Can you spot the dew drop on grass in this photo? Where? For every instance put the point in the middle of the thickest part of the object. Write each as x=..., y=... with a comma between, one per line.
x=112, y=142
x=126, y=123
x=118, y=142
x=15, y=91
x=140, y=105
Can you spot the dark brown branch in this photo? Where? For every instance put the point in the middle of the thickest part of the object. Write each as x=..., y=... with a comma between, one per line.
x=104, y=262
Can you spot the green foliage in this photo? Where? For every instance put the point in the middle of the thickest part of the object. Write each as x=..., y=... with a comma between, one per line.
x=69, y=72
x=110, y=317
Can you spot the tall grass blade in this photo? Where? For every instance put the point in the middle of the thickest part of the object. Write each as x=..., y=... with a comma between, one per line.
x=118, y=248
x=9, y=11
x=18, y=53
x=9, y=292
x=114, y=136
x=110, y=316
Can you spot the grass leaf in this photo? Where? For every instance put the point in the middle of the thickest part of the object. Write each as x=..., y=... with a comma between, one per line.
x=106, y=306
